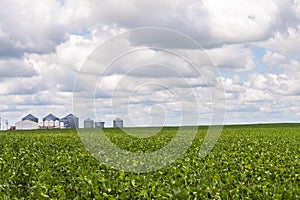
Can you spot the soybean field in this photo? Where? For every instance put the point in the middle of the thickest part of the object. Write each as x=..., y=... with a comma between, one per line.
x=248, y=162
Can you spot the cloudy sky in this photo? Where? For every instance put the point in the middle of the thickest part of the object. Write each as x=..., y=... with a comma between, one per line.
x=255, y=45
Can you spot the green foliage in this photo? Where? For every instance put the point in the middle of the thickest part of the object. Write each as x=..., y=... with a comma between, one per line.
x=248, y=162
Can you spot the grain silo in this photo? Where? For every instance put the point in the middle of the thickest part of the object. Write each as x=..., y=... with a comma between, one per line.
x=88, y=123
x=46, y=123
x=70, y=121
x=56, y=123
x=51, y=123
x=118, y=123
x=99, y=124
x=62, y=125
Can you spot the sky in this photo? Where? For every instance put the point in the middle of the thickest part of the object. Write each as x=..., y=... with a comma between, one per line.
x=254, y=45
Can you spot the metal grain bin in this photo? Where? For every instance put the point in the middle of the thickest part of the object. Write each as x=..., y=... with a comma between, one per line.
x=118, y=123
x=99, y=124
x=70, y=121
x=88, y=123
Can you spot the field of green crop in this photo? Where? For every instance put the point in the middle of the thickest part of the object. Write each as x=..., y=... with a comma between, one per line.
x=248, y=162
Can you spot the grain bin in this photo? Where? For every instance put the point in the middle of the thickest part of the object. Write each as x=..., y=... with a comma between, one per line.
x=99, y=124
x=51, y=123
x=70, y=121
x=88, y=123
x=118, y=123
x=56, y=123
x=62, y=125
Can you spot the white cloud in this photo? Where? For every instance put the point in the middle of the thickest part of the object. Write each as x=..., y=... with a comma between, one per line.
x=211, y=22
x=16, y=68
x=233, y=58
x=241, y=21
x=284, y=43
x=289, y=65
x=19, y=86
x=274, y=59
x=275, y=84
x=43, y=46
x=232, y=85
x=29, y=27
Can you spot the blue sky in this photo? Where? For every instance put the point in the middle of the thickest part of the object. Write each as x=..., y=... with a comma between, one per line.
x=254, y=44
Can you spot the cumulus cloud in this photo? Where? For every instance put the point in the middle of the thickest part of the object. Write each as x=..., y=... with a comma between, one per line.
x=29, y=27
x=284, y=43
x=212, y=23
x=21, y=86
x=16, y=68
x=43, y=47
x=274, y=59
x=233, y=58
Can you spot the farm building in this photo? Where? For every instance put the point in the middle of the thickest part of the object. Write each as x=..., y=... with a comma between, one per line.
x=50, y=117
x=88, y=123
x=50, y=121
x=31, y=118
x=70, y=121
x=99, y=124
x=118, y=123
x=26, y=125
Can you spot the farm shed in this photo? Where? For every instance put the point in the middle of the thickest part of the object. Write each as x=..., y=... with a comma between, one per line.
x=26, y=125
